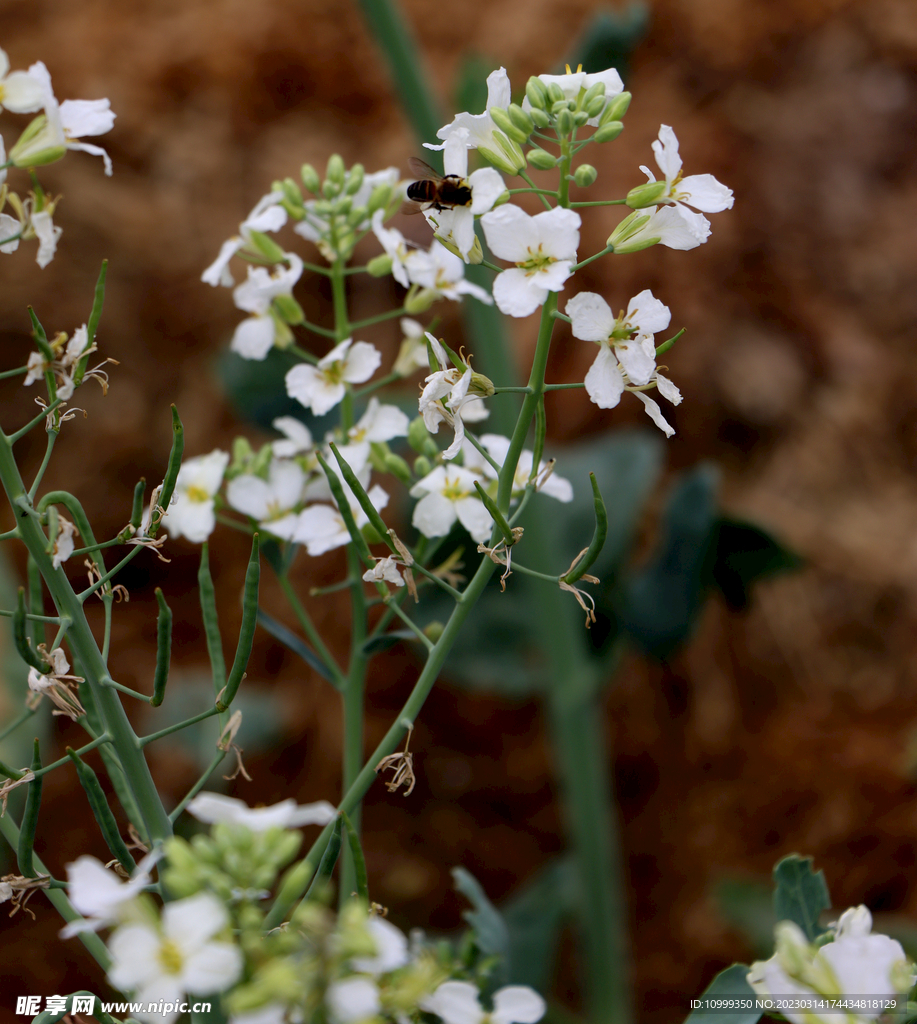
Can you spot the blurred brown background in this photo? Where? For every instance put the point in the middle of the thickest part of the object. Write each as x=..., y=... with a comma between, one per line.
x=783, y=729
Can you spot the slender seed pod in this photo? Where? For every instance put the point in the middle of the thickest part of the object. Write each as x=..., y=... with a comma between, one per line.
x=211, y=623
x=168, y=483
x=102, y=812
x=29, y=821
x=359, y=861
x=95, y=315
x=29, y=656
x=137, y=507
x=496, y=515
x=80, y=520
x=247, y=629
x=329, y=859
x=41, y=338
x=372, y=513
x=10, y=773
x=598, y=537
x=163, y=649
x=343, y=505
x=36, y=604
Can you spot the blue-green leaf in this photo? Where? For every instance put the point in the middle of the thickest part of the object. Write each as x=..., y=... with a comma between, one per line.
x=728, y=984
x=801, y=894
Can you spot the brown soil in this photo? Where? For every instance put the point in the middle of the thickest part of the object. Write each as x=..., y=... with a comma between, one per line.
x=783, y=729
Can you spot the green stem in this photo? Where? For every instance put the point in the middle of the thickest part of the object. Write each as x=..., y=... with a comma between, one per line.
x=52, y=437
x=308, y=627
x=58, y=898
x=379, y=318
x=589, y=259
x=389, y=378
x=542, y=193
x=85, y=649
x=599, y=202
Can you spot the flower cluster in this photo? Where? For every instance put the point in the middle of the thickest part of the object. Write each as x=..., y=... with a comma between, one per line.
x=60, y=126
x=210, y=940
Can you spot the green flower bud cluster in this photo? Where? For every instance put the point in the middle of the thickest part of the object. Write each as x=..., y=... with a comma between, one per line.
x=235, y=863
x=341, y=209
x=550, y=108
x=245, y=460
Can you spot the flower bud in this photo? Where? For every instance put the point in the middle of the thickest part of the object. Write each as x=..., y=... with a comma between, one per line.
x=555, y=93
x=419, y=300
x=580, y=117
x=481, y=385
x=343, y=205
x=585, y=175
x=560, y=105
x=434, y=630
x=397, y=466
x=521, y=119
x=357, y=215
x=537, y=93
x=503, y=121
x=645, y=195
x=422, y=466
x=476, y=253
x=616, y=109
x=618, y=239
x=595, y=106
x=379, y=266
x=565, y=122
x=608, y=131
x=310, y=178
x=354, y=179
x=540, y=118
x=446, y=244
x=334, y=176
x=379, y=198
x=291, y=191
x=417, y=433
x=39, y=144
x=507, y=157
x=283, y=336
x=289, y=309
x=266, y=247
x=541, y=159
x=594, y=92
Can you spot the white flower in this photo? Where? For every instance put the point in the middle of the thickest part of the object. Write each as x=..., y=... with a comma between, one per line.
x=254, y=337
x=855, y=963
x=19, y=91
x=191, y=512
x=379, y=423
x=10, y=226
x=321, y=527
x=480, y=128
x=391, y=949
x=456, y=225
x=456, y=1002
x=702, y=191
x=442, y=273
x=73, y=119
x=47, y=235
x=627, y=352
x=543, y=248
x=573, y=81
x=385, y=569
x=321, y=387
x=298, y=437
x=214, y=807
x=448, y=397
x=270, y=501
x=674, y=226
x=100, y=895
x=497, y=446
x=267, y=215
x=413, y=352
x=56, y=685
x=352, y=999
x=447, y=494
x=182, y=957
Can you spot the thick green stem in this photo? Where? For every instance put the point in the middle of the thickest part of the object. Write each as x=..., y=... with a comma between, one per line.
x=86, y=650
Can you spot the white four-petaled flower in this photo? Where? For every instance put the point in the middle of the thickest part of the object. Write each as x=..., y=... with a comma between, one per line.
x=181, y=956
x=457, y=1002
x=255, y=336
x=447, y=494
x=191, y=513
x=543, y=248
x=321, y=387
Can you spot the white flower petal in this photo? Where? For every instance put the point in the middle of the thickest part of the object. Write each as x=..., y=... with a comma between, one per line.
x=558, y=231
x=352, y=999
x=592, y=317
x=704, y=192
x=638, y=364
x=218, y=271
x=517, y=1004
x=253, y=337
x=475, y=518
x=666, y=151
x=434, y=515
x=456, y=1002
x=646, y=314
x=655, y=414
x=667, y=389
x=511, y=233
x=604, y=383
x=391, y=946
x=362, y=362
x=517, y=293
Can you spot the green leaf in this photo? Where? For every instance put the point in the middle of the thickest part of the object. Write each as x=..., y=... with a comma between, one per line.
x=490, y=932
x=748, y=906
x=729, y=983
x=663, y=599
x=289, y=639
x=533, y=919
x=744, y=554
x=800, y=894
